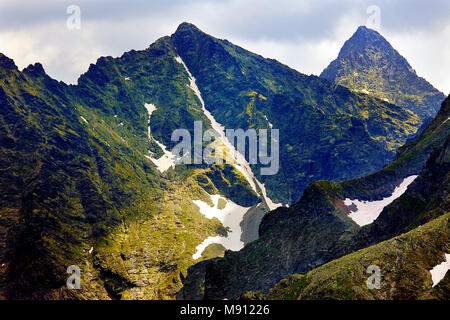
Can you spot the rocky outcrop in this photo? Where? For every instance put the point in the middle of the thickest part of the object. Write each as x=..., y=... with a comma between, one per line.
x=367, y=63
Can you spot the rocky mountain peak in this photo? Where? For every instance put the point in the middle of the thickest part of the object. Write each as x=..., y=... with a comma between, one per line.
x=186, y=26
x=369, y=64
x=7, y=63
x=367, y=33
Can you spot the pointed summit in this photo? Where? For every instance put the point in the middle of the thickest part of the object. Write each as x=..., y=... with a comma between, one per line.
x=366, y=36
x=363, y=41
x=186, y=26
x=365, y=30
x=7, y=63
x=368, y=63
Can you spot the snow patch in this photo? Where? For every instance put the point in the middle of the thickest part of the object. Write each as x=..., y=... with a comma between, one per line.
x=202, y=246
x=167, y=160
x=150, y=109
x=90, y=250
x=230, y=216
x=368, y=211
x=439, y=271
x=365, y=91
x=443, y=123
x=82, y=118
x=127, y=78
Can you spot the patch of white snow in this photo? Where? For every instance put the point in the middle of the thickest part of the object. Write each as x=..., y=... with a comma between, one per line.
x=230, y=216
x=270, y=124
x=439, y=271
x=269, y=202
x=167, y=160
x=368, y=211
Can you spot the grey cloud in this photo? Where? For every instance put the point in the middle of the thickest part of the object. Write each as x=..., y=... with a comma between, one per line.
x=280, y=20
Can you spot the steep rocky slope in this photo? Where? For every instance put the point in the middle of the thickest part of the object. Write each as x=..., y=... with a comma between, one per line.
x=318, y=228
x=368, y=63
x=405, y=261
x=319, y=123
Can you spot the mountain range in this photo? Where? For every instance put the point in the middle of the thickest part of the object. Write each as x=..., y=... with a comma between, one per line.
x=88, y=178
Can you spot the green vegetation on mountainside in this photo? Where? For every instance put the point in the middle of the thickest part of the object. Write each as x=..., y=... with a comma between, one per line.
x=78, y=189
x=404, y=263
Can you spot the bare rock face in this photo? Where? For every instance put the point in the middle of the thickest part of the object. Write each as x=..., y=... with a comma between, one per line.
x=368, y=63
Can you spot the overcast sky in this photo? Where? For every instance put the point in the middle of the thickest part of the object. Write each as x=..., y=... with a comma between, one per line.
x=304, y=34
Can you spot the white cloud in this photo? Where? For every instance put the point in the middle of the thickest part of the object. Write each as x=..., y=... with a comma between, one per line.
x=427, y=52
